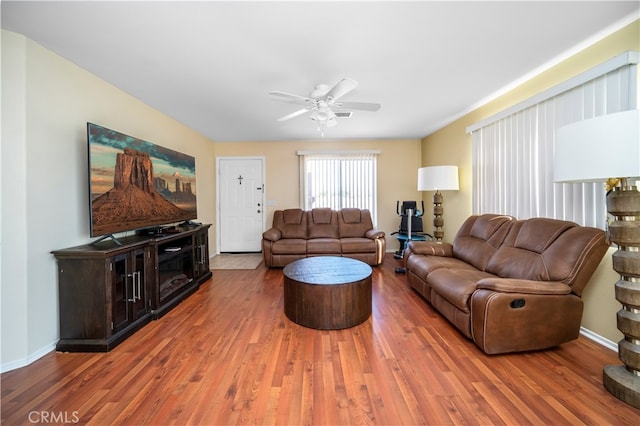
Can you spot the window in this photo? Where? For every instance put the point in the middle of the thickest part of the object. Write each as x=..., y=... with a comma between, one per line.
x=513, y=151
x=338, y=180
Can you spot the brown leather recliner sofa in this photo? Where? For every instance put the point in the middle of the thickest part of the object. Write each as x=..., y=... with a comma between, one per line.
x=297, y=234
x=509, y=285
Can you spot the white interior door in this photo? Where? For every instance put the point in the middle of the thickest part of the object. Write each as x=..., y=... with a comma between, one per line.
x=241, y=204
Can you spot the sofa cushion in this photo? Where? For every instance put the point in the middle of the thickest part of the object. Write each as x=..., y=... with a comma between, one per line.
x=354, y=222
x=322, y=215
x=575, y=255
x=350, y=215
x=547, y=250
x=289, y=246
x=357, y=245
x=292, y=223
x=538, y=234
x=323, y=246
x=513, y=262
x=424, y=265
x=322, y=223
x=456, y=285
x=479, y=237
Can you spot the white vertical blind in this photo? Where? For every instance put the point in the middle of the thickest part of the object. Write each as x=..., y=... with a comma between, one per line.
x=513, y=154
x=339, y=180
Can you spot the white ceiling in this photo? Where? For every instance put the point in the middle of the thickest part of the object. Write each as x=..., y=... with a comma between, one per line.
x=211, y=64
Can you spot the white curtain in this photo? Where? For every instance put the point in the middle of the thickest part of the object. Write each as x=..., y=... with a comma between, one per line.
x=338, y=180
x=513, y=154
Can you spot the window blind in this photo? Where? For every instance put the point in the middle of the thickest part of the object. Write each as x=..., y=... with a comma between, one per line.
x=512, y=156
x=339, y=180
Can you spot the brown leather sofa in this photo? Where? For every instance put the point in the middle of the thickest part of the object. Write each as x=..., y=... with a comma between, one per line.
x=297, y=234
x=509, y=285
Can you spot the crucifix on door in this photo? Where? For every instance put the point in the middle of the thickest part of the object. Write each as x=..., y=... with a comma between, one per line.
x=240, y=179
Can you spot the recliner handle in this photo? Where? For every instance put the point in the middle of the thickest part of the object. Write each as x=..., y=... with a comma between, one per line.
x=517, y=303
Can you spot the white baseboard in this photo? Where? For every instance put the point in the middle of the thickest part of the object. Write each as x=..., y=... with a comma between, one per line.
x=599, y=339
x=19, y=363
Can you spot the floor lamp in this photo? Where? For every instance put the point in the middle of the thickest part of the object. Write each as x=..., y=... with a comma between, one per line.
x=438, y=178
x=599, y=149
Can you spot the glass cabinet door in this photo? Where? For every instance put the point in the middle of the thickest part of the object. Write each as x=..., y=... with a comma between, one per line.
x=120, y=293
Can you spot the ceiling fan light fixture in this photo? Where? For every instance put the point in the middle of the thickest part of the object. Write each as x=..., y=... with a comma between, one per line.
x=322, y=116
x=321, y=101
x=324, y=113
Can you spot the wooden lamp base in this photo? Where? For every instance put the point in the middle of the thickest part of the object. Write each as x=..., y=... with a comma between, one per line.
x=438, y=220
x=623, y=381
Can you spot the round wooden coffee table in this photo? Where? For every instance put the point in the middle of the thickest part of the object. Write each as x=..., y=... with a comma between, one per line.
x=327, y=292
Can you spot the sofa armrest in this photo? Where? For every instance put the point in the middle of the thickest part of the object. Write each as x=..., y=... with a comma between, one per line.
x=272, y=234
x=374, y=234
x=512, y=285
x=432, y=248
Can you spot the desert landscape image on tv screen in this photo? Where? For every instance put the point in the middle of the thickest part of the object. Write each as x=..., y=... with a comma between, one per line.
x=137, y=184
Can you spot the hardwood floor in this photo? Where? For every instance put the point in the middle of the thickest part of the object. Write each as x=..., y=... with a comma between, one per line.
x=228, y=355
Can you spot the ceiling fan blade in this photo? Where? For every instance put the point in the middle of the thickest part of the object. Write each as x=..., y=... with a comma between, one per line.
x=343, y=87
x=291, y=98
x=362, y=106
x=293, y=114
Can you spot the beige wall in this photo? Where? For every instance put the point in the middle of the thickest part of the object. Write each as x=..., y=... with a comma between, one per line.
x=397, y=167
x=452, y=145
x=46, y=103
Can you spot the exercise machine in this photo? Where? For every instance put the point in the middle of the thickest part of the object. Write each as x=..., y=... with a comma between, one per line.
x=411, y=227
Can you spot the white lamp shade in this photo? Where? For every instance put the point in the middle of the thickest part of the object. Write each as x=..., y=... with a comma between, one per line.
x=598, y=148
x=438, y=178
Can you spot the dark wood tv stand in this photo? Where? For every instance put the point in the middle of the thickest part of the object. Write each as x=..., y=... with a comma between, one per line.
x=107, y=291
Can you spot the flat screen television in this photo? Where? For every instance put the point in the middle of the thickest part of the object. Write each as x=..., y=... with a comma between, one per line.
x=135, y=184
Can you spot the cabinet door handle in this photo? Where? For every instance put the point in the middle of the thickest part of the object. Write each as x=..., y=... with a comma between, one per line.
x=133, y=288
x=133, y=285
x=138, y=279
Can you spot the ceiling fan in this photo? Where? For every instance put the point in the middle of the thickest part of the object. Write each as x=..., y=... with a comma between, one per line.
x=324, y=105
